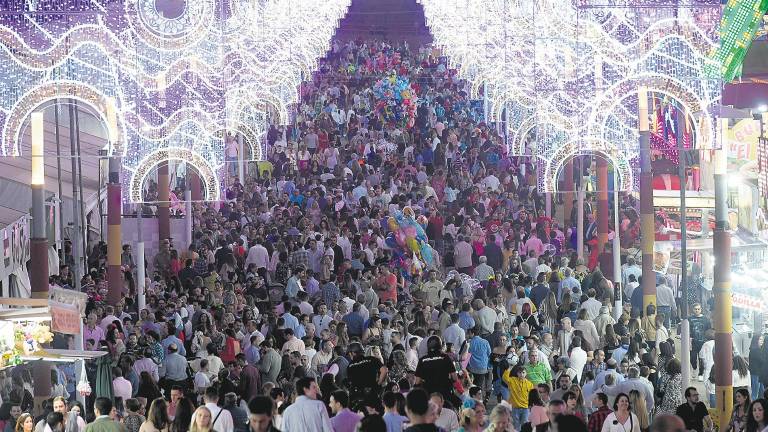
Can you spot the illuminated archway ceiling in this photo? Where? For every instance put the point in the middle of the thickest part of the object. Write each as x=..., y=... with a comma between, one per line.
x=547, y=66
x=178, y=70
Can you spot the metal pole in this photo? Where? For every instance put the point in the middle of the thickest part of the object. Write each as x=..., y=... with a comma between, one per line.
x=568, y=202
x=75, y=232
x=685, y=330
x=140, y=271
x=60, y=218
x=83, y=220
x=723, y=316
x=617, y=288
x=647, y=225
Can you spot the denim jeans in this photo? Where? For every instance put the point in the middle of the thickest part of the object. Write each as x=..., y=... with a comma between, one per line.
x=519, y=417
x=757, y=386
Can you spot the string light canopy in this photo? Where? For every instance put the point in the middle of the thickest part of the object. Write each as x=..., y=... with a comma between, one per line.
x=564, y=75
x=179, y=71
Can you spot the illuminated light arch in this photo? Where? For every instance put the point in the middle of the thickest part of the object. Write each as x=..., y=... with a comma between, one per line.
x=690, y=101
x=554, y=163
x=199, y=162
x=63, y=89
x=201, y=11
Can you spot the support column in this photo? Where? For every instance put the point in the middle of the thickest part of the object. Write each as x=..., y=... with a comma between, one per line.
x=568, y=189
x=241, y=159
x=188, y=215
x=580, y=213
x=685, y=329
x=140, y=270
x=617, y=288
x=163, y=207
x=193, y=179
x=548, y=204
x=38, y=242
x=114, y=215
x=723, y=319
x=114, y=233
x=647, y=226
x=603, y=213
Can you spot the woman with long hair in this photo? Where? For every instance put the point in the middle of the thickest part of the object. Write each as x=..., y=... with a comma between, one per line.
x=157, y=417
x=148, y=388
x=580, y=406
x=741, y=376
x=738, y=420
x=756, y=417
x=25, y=423
x=183, y=415
x=548, y=312
x=202, y=420
x=622, y=419
x=571, y=402
x=468, y=421
x=499, y=420
x=342, y=337
x=640, y=409
x=670, y=388
x=538, y=414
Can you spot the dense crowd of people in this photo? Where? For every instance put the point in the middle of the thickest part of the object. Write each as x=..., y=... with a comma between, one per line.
x=291, y=310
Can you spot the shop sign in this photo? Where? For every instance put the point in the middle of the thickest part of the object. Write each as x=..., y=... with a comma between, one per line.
x=65, y=318
x=745, y=301
x=68, y=297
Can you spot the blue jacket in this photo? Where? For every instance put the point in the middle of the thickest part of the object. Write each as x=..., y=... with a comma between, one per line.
x=480, y=355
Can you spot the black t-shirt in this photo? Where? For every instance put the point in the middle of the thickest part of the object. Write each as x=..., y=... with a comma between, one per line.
x=693, y=417
x=364, y=373
x=435, y=370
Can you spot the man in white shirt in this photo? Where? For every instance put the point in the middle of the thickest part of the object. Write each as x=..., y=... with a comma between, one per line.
x=577, y=357
x=454, y=334
x=485, y=317
x=322, y=319
x=306, y=413
x=221, y=419
x=258, y=255
x=592, y=305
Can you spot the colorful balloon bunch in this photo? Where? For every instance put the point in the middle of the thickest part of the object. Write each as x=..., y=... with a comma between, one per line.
x=411, y=252
x=396, y=100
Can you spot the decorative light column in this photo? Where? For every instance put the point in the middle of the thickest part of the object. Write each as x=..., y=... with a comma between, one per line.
x=723, y=316
x=114, y=216
x=647, y=225
x=38, y=243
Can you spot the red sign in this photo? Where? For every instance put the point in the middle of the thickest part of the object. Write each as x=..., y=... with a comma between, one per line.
x=64, y=318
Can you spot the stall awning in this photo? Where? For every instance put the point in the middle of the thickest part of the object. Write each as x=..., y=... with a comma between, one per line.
x=64, y=356
x=693, y=199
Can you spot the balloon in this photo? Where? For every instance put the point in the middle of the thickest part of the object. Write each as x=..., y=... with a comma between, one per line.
x=422, y=220
x=408, y=212
x=410, y=232
x=392, y=223
x=400, y=238
x=426, y=253
x=413, y=244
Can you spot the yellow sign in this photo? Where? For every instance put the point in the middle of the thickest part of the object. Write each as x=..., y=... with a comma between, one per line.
x=742, y=140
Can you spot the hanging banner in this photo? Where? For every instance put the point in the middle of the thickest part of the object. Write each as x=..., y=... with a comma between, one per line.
x=65, y=318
